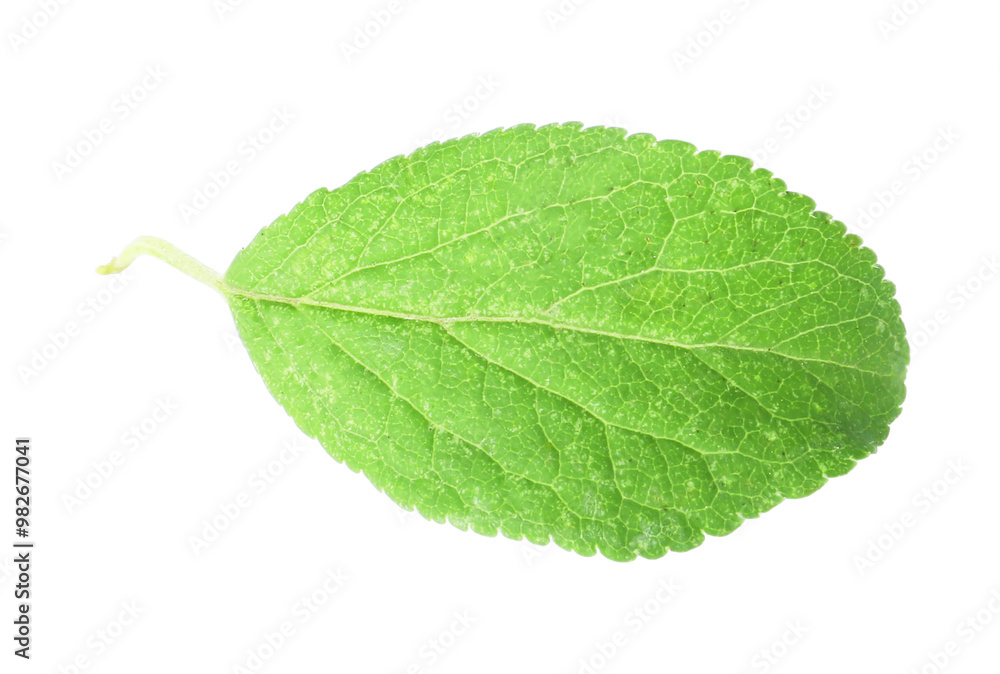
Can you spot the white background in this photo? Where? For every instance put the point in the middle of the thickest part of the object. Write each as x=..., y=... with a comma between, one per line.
x=865, y=600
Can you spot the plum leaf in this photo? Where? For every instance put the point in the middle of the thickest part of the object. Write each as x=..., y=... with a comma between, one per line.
x=574, y=335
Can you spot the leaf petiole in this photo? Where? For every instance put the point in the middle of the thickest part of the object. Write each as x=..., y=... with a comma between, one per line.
x=167, y=252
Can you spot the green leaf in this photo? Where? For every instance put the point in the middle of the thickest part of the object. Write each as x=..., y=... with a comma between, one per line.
x=610, y=342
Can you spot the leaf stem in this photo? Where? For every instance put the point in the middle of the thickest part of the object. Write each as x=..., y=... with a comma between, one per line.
x=167, y=252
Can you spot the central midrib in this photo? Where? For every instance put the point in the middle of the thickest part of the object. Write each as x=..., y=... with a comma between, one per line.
x=445, y=321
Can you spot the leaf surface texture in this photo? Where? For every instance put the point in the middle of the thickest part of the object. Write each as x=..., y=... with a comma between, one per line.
x=570, y=334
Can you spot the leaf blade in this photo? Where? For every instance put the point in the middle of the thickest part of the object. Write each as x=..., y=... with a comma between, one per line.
x=446, y=308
